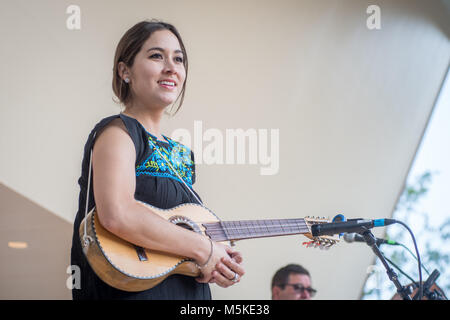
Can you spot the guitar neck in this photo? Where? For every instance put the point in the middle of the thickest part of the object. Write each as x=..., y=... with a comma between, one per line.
x=249, y=229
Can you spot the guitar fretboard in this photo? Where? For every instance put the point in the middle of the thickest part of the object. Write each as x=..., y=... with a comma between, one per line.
x=247, y=229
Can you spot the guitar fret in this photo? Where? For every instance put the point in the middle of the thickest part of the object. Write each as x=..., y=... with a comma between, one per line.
x=259, y=231
x=267, y=228
x=249, y=229
x=234, y=229
x=275, y=228
x=287, y=226
x=245, y=229
x=230, y=229
x=267, y=223
x=237, y=227
x=293, y=225
x=254, y=228
x=281, y=226
x=243, y=232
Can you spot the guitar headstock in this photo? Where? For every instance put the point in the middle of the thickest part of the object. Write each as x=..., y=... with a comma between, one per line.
x=322, y=242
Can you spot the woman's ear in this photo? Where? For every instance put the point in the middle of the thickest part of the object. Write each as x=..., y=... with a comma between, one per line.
x=123, y=71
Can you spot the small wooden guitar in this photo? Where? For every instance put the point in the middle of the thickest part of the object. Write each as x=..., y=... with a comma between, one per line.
x=128, y=267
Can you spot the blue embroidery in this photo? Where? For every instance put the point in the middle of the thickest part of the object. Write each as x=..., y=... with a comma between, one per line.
x=177, y=154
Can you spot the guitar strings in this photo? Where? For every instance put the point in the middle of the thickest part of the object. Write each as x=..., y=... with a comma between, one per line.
x=249, y=223
x=252, y=229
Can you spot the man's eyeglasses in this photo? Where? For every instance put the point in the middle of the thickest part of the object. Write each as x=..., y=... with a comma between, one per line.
x=300, y=288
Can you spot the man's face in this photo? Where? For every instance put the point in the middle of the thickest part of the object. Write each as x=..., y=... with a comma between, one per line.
x=291, y=289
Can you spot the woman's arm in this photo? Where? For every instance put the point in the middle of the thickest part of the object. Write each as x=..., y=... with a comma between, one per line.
x=114, y=183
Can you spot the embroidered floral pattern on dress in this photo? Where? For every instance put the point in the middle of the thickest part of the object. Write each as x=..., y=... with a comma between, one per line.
x=177, y=154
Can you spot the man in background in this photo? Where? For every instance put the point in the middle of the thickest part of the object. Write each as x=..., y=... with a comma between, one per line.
x=292, y=282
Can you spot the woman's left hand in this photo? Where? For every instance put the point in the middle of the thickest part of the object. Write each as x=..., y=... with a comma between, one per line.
x=230, y=270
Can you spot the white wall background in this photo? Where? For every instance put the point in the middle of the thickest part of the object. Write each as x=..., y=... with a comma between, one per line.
x=350, y=103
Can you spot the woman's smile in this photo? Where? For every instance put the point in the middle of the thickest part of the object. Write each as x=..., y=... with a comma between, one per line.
x=167, y=85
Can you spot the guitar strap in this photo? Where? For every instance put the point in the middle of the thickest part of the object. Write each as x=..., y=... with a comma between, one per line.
x=87, y=239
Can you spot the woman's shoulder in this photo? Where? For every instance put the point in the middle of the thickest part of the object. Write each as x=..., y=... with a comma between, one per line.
x=114, y=134
x=112, y=128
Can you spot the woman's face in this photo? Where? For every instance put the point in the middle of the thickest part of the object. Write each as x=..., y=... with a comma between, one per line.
x=160, y=58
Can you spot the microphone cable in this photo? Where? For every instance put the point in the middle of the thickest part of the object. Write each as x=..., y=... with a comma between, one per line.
x=402, y=245
x=401, y=271
x=420, y=294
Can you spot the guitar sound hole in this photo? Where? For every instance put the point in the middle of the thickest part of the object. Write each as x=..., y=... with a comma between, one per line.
x=185, y=225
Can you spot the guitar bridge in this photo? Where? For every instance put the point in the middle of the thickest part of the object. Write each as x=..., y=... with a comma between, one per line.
x=141, y=253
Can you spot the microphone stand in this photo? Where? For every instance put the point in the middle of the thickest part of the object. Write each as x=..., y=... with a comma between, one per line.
x=427, y=292
x=372, y=242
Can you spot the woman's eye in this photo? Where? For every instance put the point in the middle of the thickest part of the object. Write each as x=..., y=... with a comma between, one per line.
x=179, y=59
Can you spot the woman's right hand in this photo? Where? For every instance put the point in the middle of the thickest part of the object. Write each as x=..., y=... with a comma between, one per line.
x=222, y=267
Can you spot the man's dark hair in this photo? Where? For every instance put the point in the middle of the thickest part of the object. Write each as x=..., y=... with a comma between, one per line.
x=281, y=277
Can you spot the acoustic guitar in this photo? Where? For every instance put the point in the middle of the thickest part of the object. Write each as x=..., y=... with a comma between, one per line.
x=128, y=267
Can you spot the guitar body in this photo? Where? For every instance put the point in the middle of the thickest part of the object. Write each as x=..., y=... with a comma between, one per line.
x=127, y=267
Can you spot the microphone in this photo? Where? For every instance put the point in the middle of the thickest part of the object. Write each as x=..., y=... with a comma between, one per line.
x=352, y=225
x=354, y=237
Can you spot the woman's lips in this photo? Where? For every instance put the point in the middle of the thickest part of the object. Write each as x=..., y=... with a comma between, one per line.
x=167, y=86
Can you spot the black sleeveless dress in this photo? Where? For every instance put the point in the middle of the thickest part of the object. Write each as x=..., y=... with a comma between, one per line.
x=157, y=185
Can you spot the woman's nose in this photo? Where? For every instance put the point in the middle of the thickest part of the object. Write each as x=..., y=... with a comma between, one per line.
x=169, y=66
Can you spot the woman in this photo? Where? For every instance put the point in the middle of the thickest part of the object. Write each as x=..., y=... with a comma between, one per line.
x=150, y=69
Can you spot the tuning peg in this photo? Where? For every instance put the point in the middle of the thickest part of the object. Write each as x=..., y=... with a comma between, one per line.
x=331, y=243
x=323, y=245
x=308, y=243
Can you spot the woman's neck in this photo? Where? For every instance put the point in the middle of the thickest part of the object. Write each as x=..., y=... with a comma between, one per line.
x=149, y=118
